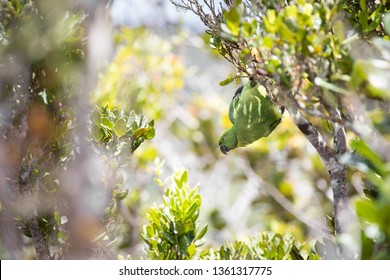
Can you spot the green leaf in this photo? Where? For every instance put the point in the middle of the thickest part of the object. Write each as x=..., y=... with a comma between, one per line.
x=171, y=238
x=226, y=81
x=215, y=42
x=362, y=4
x=151, y=133
x=149, y=230
x=363, y=149
x=192, y=210
x=120, y=195
x=202, y=232
x=57, y=217
x=286, y=34
x=120, y=127
x=184, y=177
x=140, y=132
x=271, y=16
x=97, y=133
x=131, y=118
x=249, y=29
x=338, y=29
x=363, y=20
x=232, y=18
x=268, y=42
x=386, y=23
x=367, y=211
x=159, y=182
x=107, y=123
x=191, y=250
x=96, y=117
x=269, y=21
x=374, y=24
x=291, y=12
x=183, y=244
x=324, y=84
x=295, y=254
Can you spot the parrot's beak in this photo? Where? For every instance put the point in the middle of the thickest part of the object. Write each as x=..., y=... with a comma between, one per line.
x=224, y=149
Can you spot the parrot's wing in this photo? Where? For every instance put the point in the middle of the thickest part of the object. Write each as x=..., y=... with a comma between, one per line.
x=234, y=103
x=248, y=108
x=255, y=115
x=273, y=125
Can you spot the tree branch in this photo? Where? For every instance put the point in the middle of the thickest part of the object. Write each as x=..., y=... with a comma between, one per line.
x=20, y=167
x=282, y=200
x=330, y=158
x=358, y=123
x=30, y=193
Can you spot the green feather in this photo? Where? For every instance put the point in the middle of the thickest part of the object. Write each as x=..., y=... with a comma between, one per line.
x=253, y=116
x=234, y=102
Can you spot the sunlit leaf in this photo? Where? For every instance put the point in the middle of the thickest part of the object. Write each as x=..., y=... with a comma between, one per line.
x=367, y=211
x=120, y=127
x=107, y=122
x=97, y=133
x=232, y=18
x=202, y=232
x=226, y=81
x=324, y=84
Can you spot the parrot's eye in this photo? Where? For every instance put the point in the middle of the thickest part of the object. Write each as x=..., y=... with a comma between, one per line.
x=223, y=138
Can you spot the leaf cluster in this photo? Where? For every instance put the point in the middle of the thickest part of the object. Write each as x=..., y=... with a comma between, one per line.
x=367, y=16
x=119, y=133
x=173, y=232
x=263, y=246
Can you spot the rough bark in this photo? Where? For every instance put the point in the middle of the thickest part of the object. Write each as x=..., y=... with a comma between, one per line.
x=331, y=160
x=338, y=181
x=329, y=156
x=29, y=194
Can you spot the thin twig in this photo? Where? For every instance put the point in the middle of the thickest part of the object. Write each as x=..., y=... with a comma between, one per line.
x=281, y=199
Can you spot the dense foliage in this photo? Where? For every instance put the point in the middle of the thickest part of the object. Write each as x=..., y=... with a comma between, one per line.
x=173, y=232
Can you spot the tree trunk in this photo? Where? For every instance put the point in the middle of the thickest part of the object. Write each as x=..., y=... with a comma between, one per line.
x=336, y=171
x=18, y=170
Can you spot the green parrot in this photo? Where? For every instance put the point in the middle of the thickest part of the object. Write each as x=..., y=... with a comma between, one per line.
x=253, y=116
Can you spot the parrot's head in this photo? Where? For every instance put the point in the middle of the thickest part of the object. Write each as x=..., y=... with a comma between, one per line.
x=228, y=140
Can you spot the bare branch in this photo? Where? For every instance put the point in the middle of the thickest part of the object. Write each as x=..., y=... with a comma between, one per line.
x=282, y=200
